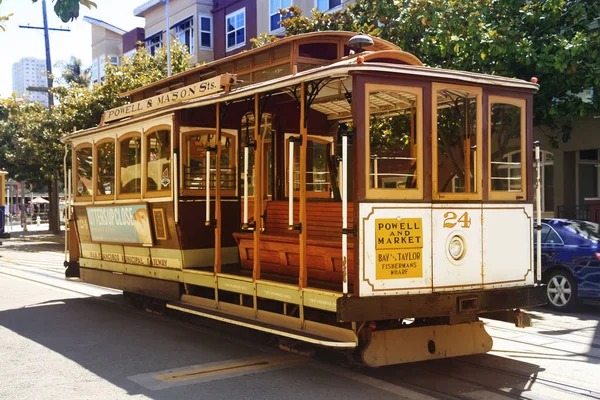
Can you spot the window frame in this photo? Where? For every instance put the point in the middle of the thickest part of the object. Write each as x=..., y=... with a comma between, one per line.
x=156, y=45
x=190, y=131
x=176, y=32
x=387, y=193
x=136, y=195
x=310, y=194
x=279, y=28
x=436, y=195
x=200, y=31
x=233, y=15
x=330, y=9
x=96, y=159
x=501, y=194
x=76, y=196
x=156, y=193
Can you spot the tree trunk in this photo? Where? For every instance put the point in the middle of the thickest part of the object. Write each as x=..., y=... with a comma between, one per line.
x=54, y=218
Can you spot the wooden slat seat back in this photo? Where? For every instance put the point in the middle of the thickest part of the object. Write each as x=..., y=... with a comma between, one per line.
x=280, y=250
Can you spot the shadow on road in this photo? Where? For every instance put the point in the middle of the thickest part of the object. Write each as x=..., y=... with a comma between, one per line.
x=114, y=340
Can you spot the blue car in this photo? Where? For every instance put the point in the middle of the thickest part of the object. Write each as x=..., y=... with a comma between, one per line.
x=570, y=261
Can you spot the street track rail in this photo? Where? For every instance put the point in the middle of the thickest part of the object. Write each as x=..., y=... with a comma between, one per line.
x=458, y=378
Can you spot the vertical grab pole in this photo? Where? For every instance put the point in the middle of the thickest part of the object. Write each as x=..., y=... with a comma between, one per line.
x=176, y=187
x=64, y=211
x=538, y=206
x=291, y=186
x=218, y=192
x=345, y=213
x=207, y=223
x=246, y=153
x=258, y=193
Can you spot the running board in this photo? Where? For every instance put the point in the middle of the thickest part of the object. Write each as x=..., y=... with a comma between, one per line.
x=280, y=325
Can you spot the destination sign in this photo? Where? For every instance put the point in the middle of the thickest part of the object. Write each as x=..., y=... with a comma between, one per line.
x=193, y=91
x=399, y=248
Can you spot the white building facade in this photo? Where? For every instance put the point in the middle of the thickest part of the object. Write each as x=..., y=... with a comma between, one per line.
x=28, y=73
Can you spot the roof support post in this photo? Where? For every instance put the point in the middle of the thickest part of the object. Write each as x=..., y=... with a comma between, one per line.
x=258, y=184
x=303, y=279
x=217, y=190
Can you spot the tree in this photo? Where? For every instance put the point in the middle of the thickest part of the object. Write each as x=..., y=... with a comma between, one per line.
x=3, y=19
x=557, y=41
x=74, y=74
x=68, y=10
x=30, y=134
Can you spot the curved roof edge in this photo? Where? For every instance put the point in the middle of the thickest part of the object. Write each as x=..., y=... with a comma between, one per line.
x=382, y=44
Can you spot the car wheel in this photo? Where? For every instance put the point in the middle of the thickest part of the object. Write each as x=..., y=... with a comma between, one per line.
x=561, y=290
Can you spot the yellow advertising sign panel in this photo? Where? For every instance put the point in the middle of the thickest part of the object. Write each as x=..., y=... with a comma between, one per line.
x=398, y=247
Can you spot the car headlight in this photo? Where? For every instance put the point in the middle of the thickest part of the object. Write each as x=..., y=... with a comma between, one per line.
x=456, y=247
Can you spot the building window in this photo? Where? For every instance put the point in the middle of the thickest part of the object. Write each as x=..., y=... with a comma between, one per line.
x=274, y=16
x=235, y=29
x=324, y=5
x=113, y=60
x=153, y=43
x=94, y=71
x=205, y=31
x=184, y=32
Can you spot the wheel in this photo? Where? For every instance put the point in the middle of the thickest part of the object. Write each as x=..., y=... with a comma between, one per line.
x=561, y=290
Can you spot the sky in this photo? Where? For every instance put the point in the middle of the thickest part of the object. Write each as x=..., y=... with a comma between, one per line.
x=17, y=43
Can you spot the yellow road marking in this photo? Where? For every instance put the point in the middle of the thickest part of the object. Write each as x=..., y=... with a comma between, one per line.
x=252, y=364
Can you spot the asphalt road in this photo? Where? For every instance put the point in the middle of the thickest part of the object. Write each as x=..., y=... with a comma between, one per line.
x=67, y=340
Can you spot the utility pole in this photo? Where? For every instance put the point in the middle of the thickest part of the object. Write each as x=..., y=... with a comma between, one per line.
x=47, y=44
x=168, y=34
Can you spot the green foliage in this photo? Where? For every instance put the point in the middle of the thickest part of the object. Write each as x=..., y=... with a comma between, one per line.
x=74, y=74
x=3, y=19
x=29, y=133
x=68, y=10
x=557, y=41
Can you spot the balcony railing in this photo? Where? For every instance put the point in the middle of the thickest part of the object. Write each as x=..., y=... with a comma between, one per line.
x=572, y=211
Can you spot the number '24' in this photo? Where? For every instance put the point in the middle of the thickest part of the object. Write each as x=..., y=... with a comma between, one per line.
x=451, y=219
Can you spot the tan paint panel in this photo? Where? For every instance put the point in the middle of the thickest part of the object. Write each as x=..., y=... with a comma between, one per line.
x=166, y=258
x=91, y=250
x=137, y=255
x=199, y=278
x=321, y=300
x=285, y=294
x=235, y=285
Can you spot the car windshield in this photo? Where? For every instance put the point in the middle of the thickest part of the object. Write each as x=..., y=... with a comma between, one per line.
x=588, y=230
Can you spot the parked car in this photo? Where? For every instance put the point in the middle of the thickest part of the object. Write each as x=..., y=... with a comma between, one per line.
x=570, y=261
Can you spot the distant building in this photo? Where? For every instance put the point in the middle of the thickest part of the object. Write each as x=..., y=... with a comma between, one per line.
x=110, y=44
x=215, y=29
x=30, y=72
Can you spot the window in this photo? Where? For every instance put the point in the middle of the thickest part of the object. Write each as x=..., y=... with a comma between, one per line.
x=274, y=16
x=205, y=31
x=457, y=136
x=319, y=153
x=113, y=60
x=194, y=174
x=235, y=29
x=130, y=171
x=153, y=43
x=184, y=32
x=158, y=158
x=94, y=71
x=507, y=145
x=105, y=168
x=324, y=5
x=266, y=132
x=84, y=166
x=549, y=235
x=393, y=151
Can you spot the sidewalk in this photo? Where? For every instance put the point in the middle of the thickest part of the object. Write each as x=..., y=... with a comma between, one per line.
x=36, y=239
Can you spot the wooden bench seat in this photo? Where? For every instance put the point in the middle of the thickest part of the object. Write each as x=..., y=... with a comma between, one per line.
x=280, y=250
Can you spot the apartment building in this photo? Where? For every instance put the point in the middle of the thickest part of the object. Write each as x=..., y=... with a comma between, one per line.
x=109, y=44
x=215, y=29
x=30, y=72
